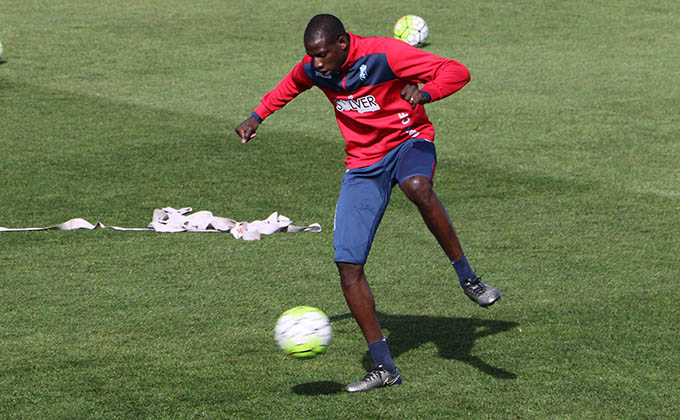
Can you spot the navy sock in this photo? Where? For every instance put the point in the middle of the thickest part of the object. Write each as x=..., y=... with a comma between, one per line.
x=463, y=270
x=381, y=355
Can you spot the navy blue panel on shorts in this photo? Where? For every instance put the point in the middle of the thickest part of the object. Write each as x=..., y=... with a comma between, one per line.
x=419, y=159
x=365, y=193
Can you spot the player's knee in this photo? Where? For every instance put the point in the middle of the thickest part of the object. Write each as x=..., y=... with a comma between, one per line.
x=350, y=274
x=417, y=188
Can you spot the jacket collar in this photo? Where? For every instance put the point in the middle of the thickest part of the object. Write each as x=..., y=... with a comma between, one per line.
x=352, y=54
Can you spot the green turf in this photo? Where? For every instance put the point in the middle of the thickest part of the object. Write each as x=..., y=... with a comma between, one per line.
x=559, y=164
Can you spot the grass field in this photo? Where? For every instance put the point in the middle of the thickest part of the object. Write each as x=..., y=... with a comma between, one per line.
x=559, y=164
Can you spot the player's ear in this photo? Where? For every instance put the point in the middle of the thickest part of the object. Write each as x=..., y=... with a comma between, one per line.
x=343, y=42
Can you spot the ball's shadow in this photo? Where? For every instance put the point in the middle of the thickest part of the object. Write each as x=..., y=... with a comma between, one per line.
x=318, y=388
x=454, y=338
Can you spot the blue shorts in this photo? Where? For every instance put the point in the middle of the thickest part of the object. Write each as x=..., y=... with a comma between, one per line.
x=365, y=193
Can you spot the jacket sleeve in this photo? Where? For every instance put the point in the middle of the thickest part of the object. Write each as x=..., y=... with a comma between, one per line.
x=294, y=83
x=440, y=76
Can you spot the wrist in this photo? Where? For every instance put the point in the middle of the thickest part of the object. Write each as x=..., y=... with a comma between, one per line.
x=256, y=117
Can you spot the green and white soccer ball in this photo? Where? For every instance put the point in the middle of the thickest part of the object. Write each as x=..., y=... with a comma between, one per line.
x=411, y=29
x=0, y=50
x=303, y=332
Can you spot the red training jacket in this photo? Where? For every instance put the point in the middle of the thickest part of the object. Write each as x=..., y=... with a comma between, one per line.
x=371, y=115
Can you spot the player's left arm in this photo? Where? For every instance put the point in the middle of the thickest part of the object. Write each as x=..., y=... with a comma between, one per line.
x=440, y=77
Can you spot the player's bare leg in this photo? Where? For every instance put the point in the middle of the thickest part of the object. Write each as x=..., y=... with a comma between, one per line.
x=360, y=300
x=419, y=190
x=362, y=305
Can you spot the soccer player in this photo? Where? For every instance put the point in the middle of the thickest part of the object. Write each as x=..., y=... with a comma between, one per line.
x=373, y=84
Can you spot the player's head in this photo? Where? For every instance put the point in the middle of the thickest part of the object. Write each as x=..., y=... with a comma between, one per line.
x=327, y=28
x=327, y=43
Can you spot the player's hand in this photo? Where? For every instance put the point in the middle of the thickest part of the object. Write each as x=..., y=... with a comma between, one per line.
x=413, y=95
x=246, y=130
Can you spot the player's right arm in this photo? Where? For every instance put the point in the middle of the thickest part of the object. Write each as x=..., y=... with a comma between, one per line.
x=294, y=83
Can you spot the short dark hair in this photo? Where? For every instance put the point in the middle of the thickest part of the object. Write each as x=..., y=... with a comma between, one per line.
x=324, y=27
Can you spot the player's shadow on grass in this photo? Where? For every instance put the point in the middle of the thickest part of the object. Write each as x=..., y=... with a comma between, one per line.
x=454, y=337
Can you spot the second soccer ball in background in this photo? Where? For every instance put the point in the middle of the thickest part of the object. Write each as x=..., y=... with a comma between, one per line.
x=411, y=29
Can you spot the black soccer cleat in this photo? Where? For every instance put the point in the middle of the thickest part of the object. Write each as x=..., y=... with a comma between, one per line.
x=481, y=292
x=378, y=377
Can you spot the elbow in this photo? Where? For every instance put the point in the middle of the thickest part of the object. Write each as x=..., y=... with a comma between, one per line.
x=465, y=75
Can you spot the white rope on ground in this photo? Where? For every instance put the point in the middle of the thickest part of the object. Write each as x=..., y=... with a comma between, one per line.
x=172, y=220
